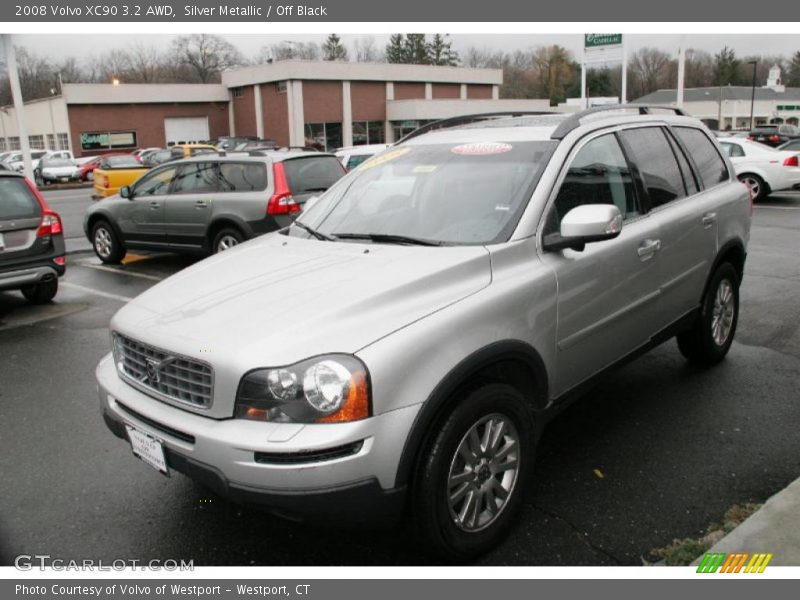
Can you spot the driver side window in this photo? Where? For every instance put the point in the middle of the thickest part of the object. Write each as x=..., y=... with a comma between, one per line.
x=155, y=184
x=599, y=174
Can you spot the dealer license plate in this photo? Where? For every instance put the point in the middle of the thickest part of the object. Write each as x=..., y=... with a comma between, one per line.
x=148, y=449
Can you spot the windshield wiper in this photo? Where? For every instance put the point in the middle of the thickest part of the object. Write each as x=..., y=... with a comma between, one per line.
x=387, y=238
x=317, y=234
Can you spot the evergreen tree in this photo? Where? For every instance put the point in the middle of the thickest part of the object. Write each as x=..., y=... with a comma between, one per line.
x=792, y=78
x=440, y=51
x=416, y=49
x=727, y=68
x=333, y=49
x=396, y=49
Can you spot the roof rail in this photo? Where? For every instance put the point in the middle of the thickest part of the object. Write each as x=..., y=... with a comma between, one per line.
x=465, y=119
x=574, y=119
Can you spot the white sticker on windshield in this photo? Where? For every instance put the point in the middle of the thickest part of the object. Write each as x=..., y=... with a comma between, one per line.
x=481, y=148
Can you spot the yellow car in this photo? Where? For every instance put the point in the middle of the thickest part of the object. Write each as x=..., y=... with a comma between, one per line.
x=114, y=172
x=187, y=150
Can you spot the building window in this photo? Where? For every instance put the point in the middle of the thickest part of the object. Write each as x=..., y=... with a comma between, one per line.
x=106, y=140
x=402, y=128
x=36, y=142
x=51, y=142
x=324, y=136
x=2, y=144
x=13, y=143
x=63, y=141
x=280, y=87
x=237, y=92
x=368, y=132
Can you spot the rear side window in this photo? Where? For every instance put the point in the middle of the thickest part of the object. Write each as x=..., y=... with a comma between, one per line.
x=598, y=174
x=651, y=153
x=732, y=150
x=312, y=174
x=196, y=178
x=242, y=177
x=706, y=157
x=356, y=160
x=16, y=200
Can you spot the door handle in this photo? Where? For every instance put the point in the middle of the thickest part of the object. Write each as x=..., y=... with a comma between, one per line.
x=709, y=219
x=648, y=248
x=155, y=204
x=200, y=204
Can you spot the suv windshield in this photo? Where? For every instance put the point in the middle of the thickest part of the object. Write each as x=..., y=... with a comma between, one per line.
x=468, y=193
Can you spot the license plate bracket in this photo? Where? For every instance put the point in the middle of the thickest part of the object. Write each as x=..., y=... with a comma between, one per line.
x=148, y=449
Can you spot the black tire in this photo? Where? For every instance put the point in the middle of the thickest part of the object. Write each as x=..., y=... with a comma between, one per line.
x=227, y=237
x=699, y=344
x=757, y=185
x=106, y=244
x=41, y=293
x=434, y=517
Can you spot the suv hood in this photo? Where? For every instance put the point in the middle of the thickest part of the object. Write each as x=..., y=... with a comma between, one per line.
x=277, y=300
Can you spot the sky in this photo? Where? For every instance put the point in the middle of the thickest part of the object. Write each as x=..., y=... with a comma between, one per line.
x=59, y=46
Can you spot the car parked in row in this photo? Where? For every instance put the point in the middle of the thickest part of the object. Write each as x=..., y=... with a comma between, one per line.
x=32, y=255
x=401, y=345
x=762, y=168
x=115, y=171
x=774, y=135
x=208, y=203
x=56, y=170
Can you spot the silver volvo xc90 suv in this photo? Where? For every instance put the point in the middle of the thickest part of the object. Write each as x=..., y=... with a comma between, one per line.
x=400, y=346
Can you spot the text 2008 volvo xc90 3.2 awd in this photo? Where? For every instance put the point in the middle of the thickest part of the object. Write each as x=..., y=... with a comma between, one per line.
x=399, y=348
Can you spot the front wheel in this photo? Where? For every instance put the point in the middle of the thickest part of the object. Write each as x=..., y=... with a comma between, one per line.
x=106, y=244
x=711, y=335
x=469, y=484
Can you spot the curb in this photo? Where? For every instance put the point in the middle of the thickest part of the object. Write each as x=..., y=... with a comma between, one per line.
x=772, y=529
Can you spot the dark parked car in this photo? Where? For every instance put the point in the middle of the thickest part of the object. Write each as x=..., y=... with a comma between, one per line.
x=32, y=255
x=774, y=135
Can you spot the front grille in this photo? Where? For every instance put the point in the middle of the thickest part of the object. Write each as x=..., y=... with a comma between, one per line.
x=168, y=375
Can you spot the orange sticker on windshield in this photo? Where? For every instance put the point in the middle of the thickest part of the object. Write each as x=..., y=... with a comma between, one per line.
x=383, y=158
x=481, y=148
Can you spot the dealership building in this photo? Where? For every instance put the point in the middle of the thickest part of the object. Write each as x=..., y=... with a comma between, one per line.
x=294, y=103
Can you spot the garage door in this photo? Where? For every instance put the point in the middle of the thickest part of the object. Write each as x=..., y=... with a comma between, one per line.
x=186, y=130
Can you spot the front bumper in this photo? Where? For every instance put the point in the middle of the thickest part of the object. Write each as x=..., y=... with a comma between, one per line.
x=268, y=463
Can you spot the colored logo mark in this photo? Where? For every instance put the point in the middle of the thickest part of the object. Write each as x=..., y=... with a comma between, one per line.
x=736, y=562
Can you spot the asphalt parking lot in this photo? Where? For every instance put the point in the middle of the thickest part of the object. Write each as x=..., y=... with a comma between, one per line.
x=658, y=451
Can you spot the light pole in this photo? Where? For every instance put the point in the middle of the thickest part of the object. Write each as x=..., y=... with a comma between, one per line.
x=753, y=92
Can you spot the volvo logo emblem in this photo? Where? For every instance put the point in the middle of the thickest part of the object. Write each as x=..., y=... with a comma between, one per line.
x=152, y=370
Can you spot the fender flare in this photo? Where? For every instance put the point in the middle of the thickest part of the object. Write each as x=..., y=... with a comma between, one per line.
x=434, y=407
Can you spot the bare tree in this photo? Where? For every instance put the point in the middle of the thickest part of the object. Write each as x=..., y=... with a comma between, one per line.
x=483, y=58
x=365, y=50
x=205, y=56
x=648, y=70
x=145, y=64
x=553, y=66
x=288, y=50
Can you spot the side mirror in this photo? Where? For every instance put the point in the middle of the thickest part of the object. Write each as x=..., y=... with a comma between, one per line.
x=586, y=224
x=126, y=192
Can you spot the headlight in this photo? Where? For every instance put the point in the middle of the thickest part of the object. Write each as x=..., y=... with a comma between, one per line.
x=326, y=389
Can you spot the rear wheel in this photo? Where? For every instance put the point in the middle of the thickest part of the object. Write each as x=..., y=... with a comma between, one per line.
x=41, y=293
x=106, y=243
x=758, y=188
x=711, y=336
x=469, y=484
x=226, y=238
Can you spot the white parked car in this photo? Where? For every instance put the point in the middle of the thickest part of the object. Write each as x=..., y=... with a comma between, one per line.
x=56, y=170
x=352, y=156
x=15, y=163
x=763, y=169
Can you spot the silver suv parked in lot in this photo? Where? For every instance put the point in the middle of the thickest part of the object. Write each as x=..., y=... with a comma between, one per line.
x=403, y=343
x=208, y=203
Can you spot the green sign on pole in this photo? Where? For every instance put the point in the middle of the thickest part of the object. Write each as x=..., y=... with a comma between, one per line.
x=597, y=40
